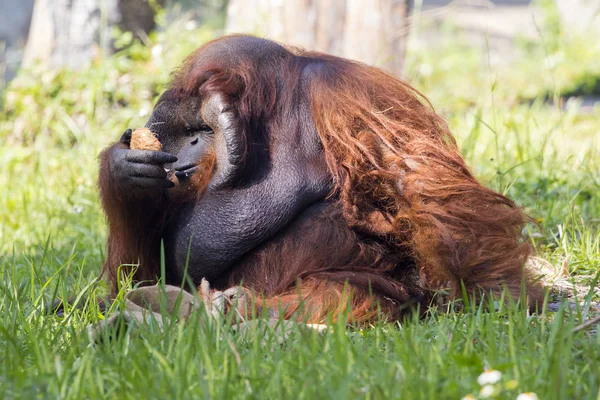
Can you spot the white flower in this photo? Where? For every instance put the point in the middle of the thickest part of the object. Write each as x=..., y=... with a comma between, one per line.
x=489, y=377
x=527, y=396
x=486, y=391
x=469, y=397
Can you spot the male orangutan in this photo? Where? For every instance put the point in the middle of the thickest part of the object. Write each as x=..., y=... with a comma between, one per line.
x=306, y=178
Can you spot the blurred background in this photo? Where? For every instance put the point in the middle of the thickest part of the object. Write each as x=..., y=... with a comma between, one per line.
x=518, y=82
x=73, y=33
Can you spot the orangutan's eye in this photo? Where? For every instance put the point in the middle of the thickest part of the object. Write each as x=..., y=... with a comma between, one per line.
x=205, y=129
x=192, y=131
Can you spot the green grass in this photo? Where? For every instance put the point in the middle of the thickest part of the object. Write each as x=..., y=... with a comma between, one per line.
x=52, y=232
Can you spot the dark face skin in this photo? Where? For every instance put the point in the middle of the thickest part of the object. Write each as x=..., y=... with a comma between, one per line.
x=182, y=132
x=246, y=202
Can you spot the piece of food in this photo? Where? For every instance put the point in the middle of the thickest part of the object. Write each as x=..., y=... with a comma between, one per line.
x=144, y=139
x=172, y=177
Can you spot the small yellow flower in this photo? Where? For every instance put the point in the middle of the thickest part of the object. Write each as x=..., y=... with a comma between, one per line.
x=487, y=391
x=469, y=397
x=512, y=384
x=489, y=377
x=527, y=396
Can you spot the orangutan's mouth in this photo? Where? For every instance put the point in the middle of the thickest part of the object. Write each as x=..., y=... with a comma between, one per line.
x=183, y=173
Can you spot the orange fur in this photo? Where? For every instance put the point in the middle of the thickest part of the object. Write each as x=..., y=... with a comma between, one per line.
x=393, y=157
x=318, y=301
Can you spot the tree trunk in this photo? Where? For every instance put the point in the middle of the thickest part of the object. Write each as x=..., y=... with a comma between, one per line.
x=73, y=32
x=371, y=31
x=14, y=25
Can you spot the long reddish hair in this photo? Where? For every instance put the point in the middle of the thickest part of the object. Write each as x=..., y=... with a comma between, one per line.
x=399, y=174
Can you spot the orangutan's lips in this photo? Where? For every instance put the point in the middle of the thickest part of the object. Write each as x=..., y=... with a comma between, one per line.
x=185, y=172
